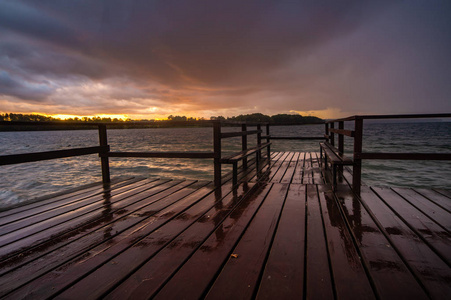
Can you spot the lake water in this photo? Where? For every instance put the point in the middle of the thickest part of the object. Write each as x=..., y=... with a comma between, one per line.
x=26, y=181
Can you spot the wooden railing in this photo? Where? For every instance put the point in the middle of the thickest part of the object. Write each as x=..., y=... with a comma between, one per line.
x=245, y=150
x=331, y=131
x=357, y=135
x=103, y=150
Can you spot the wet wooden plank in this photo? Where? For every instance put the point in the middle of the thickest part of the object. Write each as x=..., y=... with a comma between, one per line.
x=39, y=232
x=278, y=175
x=146, y=281
x=65, y=275
x=240, y=275
x=318, y=277
x=316, y=169
x=66, y=209
x=122, y=265
x=283, y=276
x=28, y=209
x=258, y=175
x=390, y=276
x=269, y=169
x=276, y=165
x=308, y=171
x=436, y=197
x=444, y=192
x=22, y=269
x=346, y=176
x=424, y=263
x=53, y=197
x=107, y=217
x=423, y=225
x=299, y=171
x=203, y=266
x=155, y=272
x=166, y=241
x=47, y=211
x=289, y=173
x=435, y=212
x=349, y=276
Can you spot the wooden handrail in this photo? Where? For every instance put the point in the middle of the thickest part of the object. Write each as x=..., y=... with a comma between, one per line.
x=330, y=131
x=168, y=154
x=104, y=149
x=404, y=156
x=349, y=133
x=301, y=138
x=357, y=134
x=47, y=155
x=381, y=117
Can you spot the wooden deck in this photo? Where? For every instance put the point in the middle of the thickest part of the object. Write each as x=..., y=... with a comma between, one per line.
x=282, y=234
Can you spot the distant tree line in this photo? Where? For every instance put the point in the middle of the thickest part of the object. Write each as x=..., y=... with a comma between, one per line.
x=25, y=118
x=183, y=118
x=280, y=119
x=43, y=118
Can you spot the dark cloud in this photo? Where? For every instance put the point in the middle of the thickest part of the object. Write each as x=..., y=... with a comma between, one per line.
x=272, y=56
x=28, y=91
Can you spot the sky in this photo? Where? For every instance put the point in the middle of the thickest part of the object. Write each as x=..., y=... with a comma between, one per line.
x=149, y=59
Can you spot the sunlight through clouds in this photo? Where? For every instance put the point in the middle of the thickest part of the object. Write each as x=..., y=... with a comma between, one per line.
x=328, y=58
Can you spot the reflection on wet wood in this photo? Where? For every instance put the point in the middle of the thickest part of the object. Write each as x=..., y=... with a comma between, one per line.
x=281, y=234
x=283, y=275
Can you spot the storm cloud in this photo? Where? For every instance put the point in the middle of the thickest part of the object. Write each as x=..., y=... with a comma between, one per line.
x=203, y=58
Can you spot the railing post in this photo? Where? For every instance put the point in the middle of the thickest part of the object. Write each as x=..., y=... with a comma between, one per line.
x=259, y=143
x=244, y=144
x=268, y=140
x=332, y=135
x=341, y=148
x=103, y=155
x=326, y=130
x=357, y=166
x=217, y=152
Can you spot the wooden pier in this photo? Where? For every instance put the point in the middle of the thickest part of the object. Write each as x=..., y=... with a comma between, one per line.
x=284, y=232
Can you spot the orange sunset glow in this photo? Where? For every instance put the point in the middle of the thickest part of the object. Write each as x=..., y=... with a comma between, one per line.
x=150, y=60
x=66, y=117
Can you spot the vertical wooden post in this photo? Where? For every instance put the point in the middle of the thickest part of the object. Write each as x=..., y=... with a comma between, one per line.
x=103, y=155
x=326, y=136
x=332, y=135
x=326, y=127
x=244, y=144
x=341, y=147
x=268, y=140
x=259, y=134
x=259, y=143
x=217, y=152
x=357, y=166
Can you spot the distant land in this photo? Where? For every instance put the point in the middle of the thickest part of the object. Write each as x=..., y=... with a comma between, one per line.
x=279, y=119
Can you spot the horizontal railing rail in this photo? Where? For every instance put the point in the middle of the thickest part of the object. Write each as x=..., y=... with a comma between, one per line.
x=245, y=150
x=103, y=150
x=124, y=123
x=166, y=154
x=357, y=135
x=381, y=117
x=300, y=138
x=47, y=155
x=404, y=156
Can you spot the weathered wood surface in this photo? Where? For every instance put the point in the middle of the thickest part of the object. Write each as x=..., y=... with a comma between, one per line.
x=282, y=234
